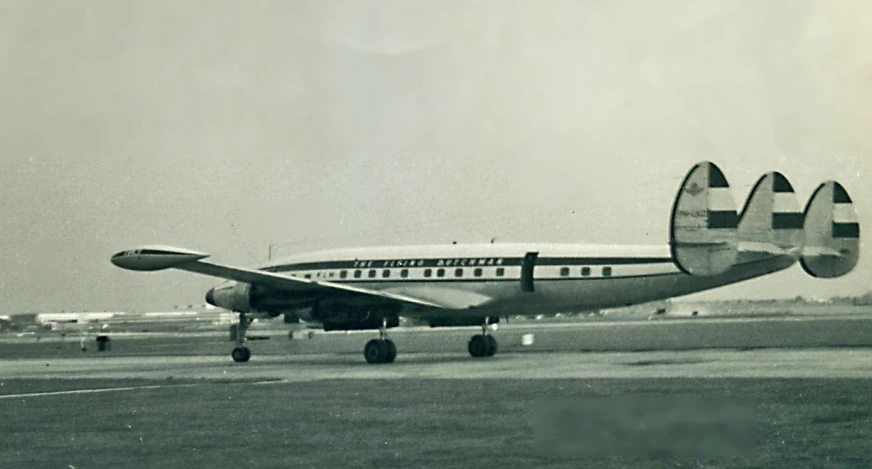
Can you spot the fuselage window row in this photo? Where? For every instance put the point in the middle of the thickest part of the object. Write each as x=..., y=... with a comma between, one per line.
x=478, y=272
x=386, y=273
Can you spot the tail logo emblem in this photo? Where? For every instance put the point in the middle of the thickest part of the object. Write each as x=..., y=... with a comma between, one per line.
x=694, y=189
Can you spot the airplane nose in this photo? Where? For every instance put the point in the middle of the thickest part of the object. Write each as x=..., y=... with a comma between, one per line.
x=210, y=297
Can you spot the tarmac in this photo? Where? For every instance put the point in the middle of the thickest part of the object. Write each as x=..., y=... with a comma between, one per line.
x=771, y=363
x=780, y=347
x=167, y=400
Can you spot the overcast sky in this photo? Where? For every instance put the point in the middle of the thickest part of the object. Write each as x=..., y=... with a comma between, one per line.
x=229, y=126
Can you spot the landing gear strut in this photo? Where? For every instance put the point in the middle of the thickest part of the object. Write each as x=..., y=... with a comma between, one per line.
x=484, y=344
x=241, y=353
x=381, y=350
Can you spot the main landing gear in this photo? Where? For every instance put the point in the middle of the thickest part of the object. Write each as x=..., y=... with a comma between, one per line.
x=484, y=344
x=241, y=353
x=381, y=350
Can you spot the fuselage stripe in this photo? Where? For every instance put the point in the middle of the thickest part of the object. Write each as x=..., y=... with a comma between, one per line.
x=465, y=262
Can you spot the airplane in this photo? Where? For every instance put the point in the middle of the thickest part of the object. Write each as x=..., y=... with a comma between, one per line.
x=710, y=245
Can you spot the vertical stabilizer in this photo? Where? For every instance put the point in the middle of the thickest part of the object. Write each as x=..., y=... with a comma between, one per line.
x=772, y=220
x=832, y=233
x=703, y=227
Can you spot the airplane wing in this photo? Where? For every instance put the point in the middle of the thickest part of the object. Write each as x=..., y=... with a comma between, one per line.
x=151, y=258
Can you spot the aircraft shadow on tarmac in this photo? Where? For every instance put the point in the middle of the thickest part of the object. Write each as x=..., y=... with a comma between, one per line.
x=354, y=360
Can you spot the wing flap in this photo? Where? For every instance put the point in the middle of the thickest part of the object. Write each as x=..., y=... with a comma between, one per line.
x=446, y=297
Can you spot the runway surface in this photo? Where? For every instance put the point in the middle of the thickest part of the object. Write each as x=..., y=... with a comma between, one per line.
x=171, y=400
x=772, y=363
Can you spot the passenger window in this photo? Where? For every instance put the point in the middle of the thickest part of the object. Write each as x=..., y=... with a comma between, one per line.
x=308, y=275
x=357, y=274
x=585, y=271
x=404, y=273
x=428, y=273
x=564, y=271
x=386, y=273
x=458, y=272
x=440, y=273
x=343, y=274
x=607, y=271
x=500, y=271
x=477, y=272
x=371, y=273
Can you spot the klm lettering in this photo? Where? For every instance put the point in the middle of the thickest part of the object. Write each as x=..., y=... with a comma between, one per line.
x=389, y=263
x=462, y=262
x=468, y=262
x=404, y=263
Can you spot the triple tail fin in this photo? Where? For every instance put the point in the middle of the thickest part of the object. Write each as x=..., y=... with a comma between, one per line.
x=771, y=221
x=832, y=233
x=703, y=233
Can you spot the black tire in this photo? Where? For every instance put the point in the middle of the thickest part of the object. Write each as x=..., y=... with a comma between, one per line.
x=478, y=346
x=375, y=351
x=240, y=354
x=492, y=345
x=391, y=351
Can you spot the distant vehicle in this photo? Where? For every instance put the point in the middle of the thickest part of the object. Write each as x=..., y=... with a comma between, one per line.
x=18, y=322
x=463, y=285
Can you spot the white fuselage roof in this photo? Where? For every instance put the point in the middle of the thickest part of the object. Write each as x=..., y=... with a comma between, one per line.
x=475, y=250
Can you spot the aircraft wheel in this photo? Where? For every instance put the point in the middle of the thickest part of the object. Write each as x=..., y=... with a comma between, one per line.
x=492, y=345
x=241, y=354
x=391, y=351
x=376, y=351
x=479, y=346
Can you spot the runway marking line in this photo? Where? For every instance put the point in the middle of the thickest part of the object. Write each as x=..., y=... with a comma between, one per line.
x=130, y=388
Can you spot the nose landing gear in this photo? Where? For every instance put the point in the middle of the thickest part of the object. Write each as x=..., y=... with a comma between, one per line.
x=241, y=353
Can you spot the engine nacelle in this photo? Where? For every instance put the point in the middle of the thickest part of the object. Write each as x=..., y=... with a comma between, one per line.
x=235, y=296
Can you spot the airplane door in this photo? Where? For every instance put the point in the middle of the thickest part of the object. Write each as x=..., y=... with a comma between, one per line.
x=527, y=267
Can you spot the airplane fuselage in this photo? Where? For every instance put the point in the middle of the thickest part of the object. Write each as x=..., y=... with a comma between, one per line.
x=520, y=278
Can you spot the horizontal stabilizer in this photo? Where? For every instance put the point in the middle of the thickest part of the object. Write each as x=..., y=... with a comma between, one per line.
x=703, y=226
x=769, y=249
x=832, y=232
